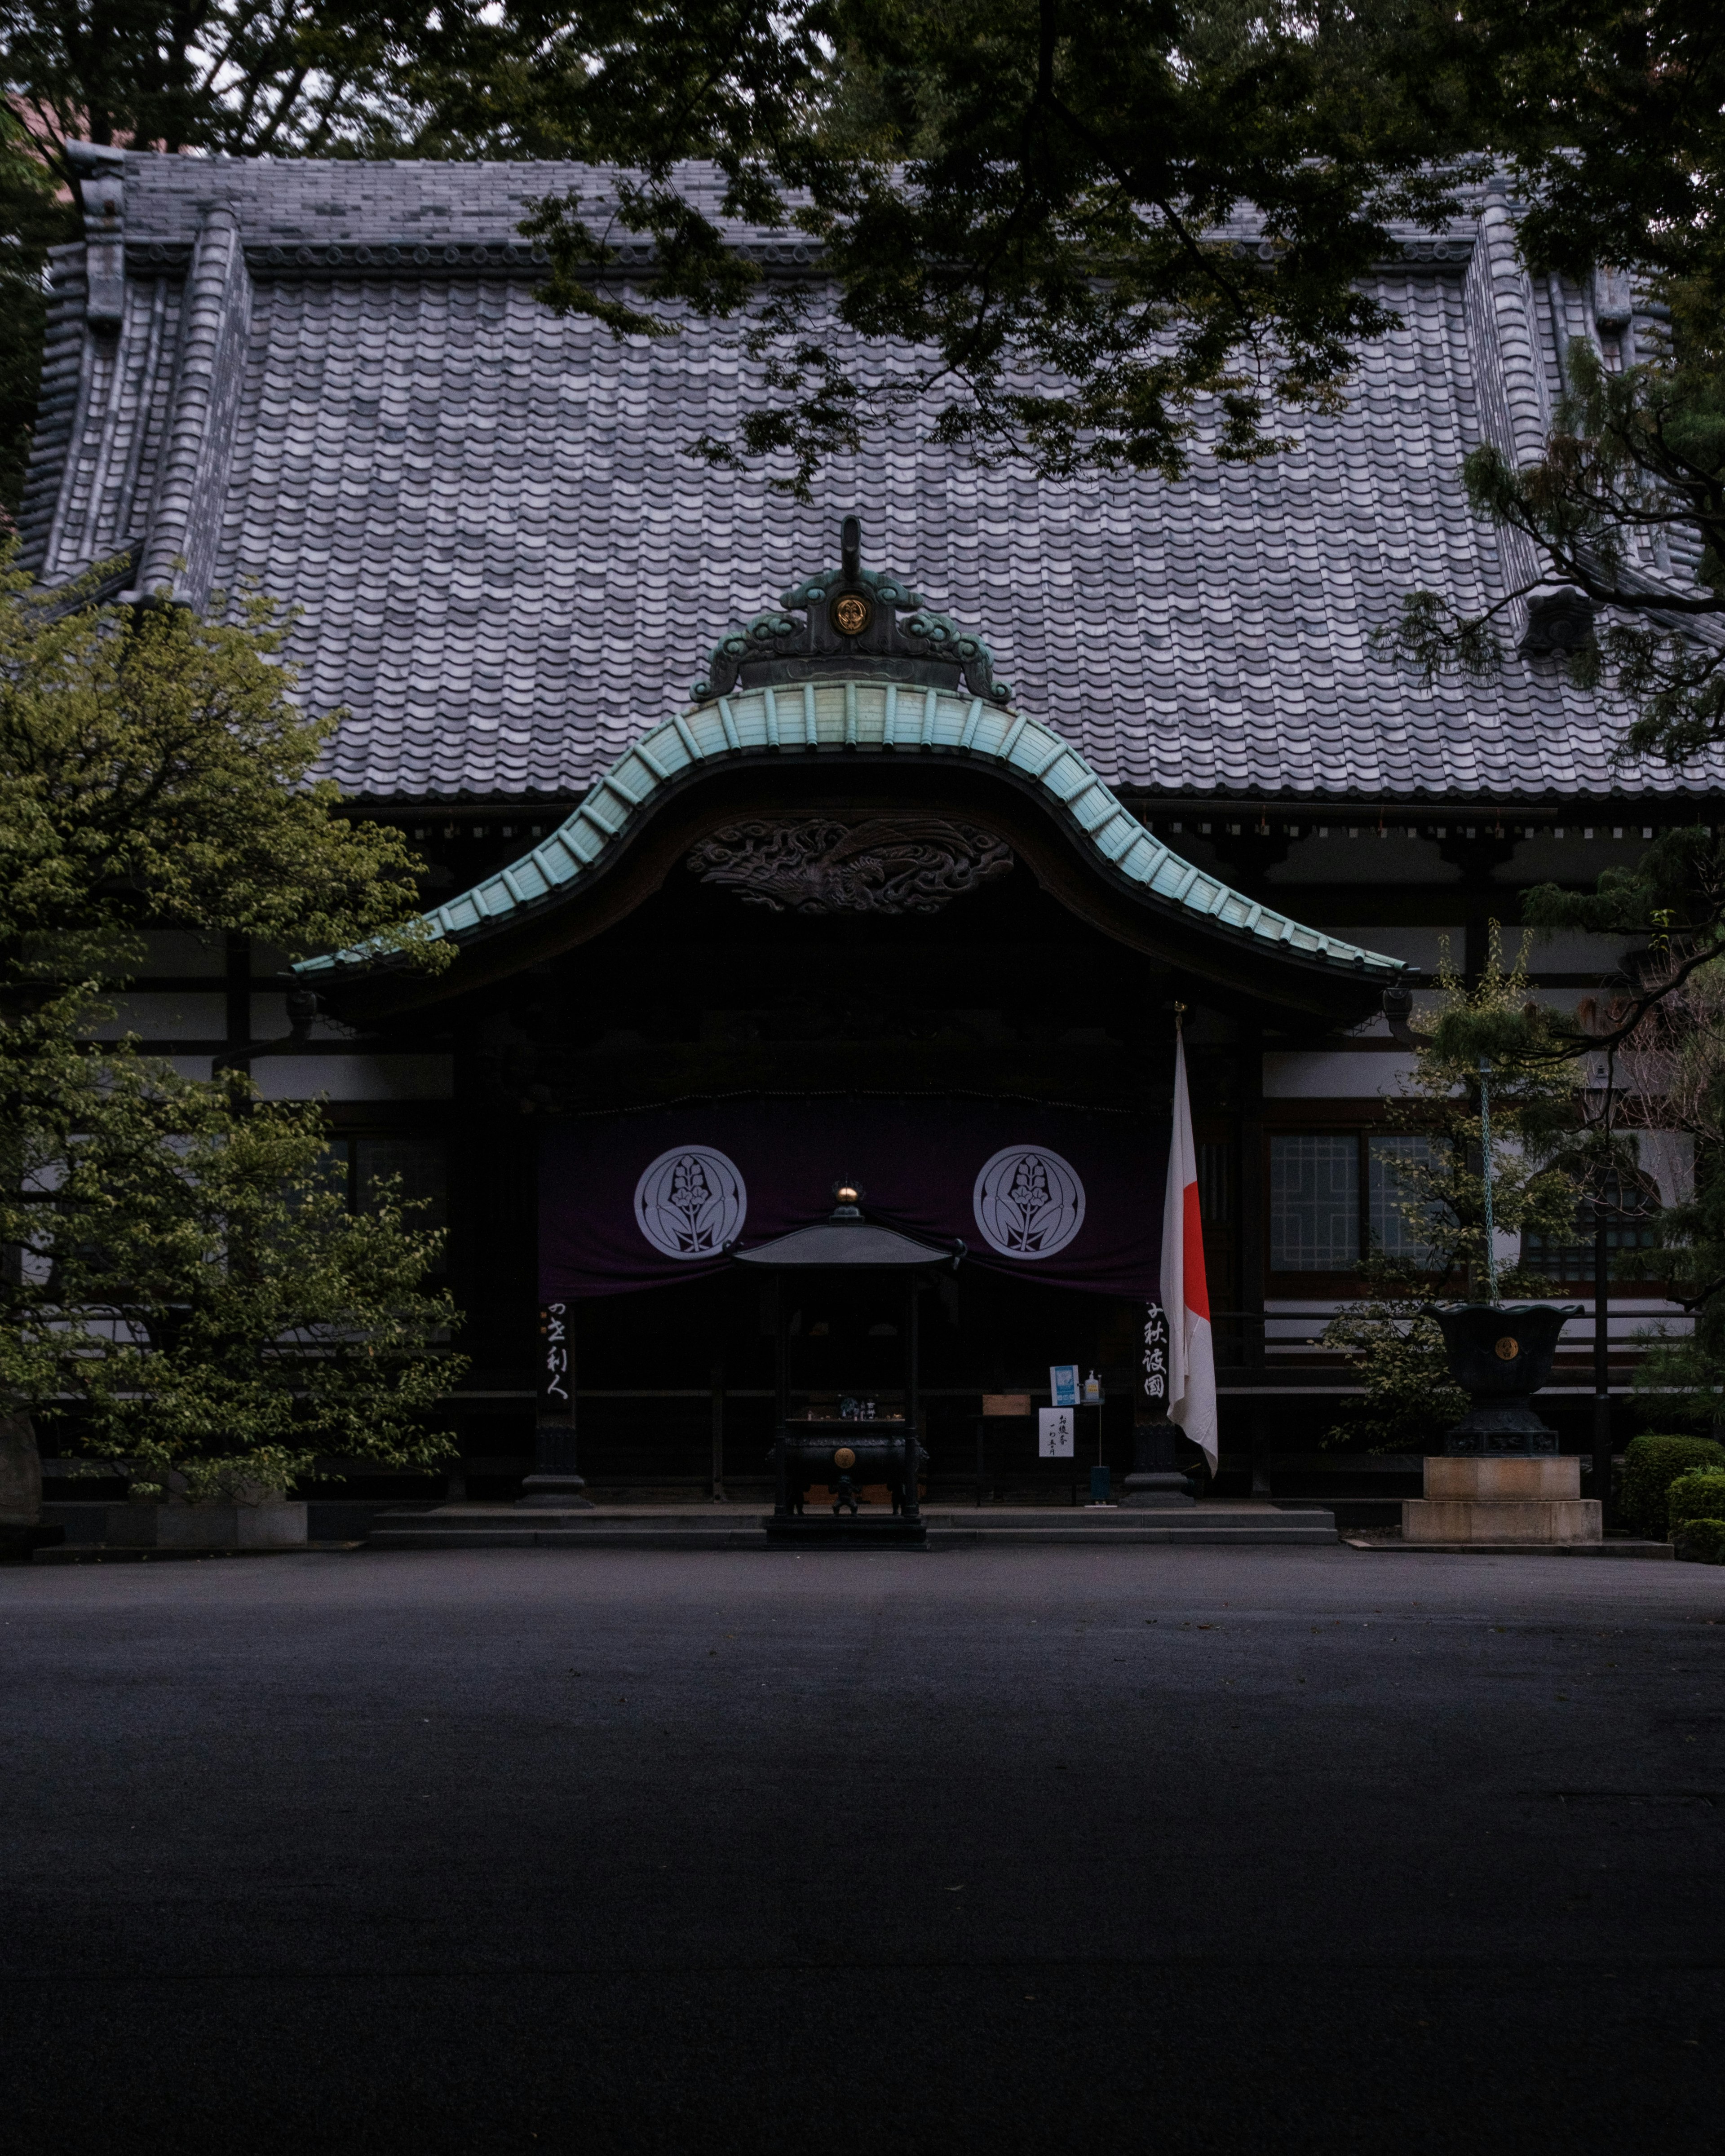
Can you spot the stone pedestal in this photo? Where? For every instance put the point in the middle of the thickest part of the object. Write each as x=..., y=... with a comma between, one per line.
x=1505, y=1499
x=556, y=1484
x=1154, y=1483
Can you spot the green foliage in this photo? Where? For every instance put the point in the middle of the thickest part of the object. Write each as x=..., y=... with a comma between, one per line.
x=1629, y=455
x=279, y=78
x=1666, y=1042
x=1702, y=1542
x=1699, y=1495
x=155, y=768
x=171, y=1266
x=1611, y=118
x=1536, y=1146
x=195, y=1292
x=1396, y=1352
x=31, y=221
x=1681, y=1376
x=1651, y=1464
x=1035, y=197
x=1673, y=894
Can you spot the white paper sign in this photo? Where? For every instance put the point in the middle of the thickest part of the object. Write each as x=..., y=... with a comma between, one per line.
x=1053, y=1432
x=1063, y=1384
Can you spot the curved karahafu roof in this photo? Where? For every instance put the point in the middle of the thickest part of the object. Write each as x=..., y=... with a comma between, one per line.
x=853, y=663
x=827, y=717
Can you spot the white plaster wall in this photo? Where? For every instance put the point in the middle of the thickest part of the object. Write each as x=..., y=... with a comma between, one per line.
x=1568, y=951
x=1312, y=1075
x=1416, y=947
x=269, y=1022
x=182, y=951
x=355, y=1077
x=1337, y=853
x=160, y=1015
x=1669, y=1157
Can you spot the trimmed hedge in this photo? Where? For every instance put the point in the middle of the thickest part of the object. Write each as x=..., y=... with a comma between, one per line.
x=1702, y=1542
x=1694, y=1497
x=1651, y=1465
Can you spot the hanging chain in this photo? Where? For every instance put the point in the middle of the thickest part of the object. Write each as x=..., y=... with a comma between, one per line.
x=1485, y=1165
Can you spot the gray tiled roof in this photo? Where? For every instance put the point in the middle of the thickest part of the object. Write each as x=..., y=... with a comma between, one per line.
x=509, y=570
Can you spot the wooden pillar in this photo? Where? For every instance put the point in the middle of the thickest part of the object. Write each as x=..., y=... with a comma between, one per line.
x=912, y=1509
x=237, y=985
x=1602, y=1361
x=782, y=1390
x=555, y=1482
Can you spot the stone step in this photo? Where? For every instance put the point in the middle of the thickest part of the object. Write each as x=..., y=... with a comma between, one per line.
x=708, y=1526
x=1606, y=1548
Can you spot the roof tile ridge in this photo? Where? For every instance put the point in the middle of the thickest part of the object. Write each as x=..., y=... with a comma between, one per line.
x=1505, y=342
x=61, y=412
x=186, y=517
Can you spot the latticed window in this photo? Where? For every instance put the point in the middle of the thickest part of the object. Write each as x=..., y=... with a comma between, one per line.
x=1335, y=1195
x=1393, y=1231
x=358, y=1167
x=1314, y=1204
x=416, y=1167
x=1631, y=1201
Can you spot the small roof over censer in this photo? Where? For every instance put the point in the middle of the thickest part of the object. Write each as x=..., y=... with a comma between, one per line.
x=845, y=1238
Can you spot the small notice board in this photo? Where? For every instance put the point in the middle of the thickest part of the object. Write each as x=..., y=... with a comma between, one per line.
x=1055, y=1434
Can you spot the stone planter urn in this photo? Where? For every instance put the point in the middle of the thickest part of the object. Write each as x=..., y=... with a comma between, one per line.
x=1501, y=1478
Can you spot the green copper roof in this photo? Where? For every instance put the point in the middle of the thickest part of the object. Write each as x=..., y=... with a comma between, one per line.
x=817, y=718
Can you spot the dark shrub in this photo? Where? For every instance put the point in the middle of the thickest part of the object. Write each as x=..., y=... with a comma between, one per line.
x=1694, y=1497
x=1702, y=1542
x=1651, y=1465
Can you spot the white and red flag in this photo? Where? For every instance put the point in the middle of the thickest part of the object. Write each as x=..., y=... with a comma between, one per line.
x=1185, y=1296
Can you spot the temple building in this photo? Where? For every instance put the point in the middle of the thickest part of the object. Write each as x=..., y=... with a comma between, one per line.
x=875, y=842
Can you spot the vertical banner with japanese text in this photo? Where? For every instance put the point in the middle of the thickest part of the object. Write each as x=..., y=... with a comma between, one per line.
x=555, y=1378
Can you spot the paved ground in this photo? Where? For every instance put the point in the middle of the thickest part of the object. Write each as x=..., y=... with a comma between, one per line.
x=1178, y=1850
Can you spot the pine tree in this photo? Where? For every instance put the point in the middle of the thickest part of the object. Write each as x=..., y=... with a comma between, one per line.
x=1433, y=1153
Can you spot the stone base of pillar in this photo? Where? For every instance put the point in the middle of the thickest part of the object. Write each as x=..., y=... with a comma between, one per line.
x=1154, y=1483
x=562, y=1493
x=1527, y=1500
x=555, y=1484
x=1146, y=1492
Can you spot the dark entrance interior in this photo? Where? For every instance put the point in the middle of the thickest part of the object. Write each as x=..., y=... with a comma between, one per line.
x=672, y=1382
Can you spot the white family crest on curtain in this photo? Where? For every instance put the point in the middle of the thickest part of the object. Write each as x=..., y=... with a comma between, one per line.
x=691, y=1202
x=1028, y=1202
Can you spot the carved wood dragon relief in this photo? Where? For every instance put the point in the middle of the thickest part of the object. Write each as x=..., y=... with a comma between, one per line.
x=886, y=864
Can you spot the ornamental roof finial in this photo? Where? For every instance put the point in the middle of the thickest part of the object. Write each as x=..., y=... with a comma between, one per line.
x=852, y=627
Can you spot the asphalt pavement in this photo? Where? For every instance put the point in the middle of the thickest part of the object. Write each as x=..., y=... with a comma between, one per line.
x=1166, y=1849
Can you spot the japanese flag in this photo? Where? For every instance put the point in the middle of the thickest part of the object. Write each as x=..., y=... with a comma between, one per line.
x=1191, y=1358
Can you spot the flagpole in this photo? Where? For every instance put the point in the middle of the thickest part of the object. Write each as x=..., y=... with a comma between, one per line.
x=1185, y=1292
x=1155, y=1481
